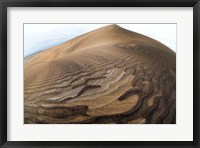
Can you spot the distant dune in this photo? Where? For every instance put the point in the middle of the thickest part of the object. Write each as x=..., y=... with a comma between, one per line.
x=109, y=75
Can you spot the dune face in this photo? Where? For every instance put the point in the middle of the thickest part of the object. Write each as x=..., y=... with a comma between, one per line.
x=109, y=75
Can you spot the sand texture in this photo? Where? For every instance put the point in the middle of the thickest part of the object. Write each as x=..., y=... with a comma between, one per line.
x=109, y=75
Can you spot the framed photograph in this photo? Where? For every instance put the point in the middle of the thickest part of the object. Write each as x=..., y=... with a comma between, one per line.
x=104, y=73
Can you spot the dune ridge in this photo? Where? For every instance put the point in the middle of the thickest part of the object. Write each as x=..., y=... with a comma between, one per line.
x=109, y=75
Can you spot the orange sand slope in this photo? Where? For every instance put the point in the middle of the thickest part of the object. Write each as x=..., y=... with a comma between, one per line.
x=109, y=75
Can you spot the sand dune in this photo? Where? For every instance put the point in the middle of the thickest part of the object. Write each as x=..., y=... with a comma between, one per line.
x=109, y=75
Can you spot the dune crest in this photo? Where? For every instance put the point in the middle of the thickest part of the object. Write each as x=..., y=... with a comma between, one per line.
x=109, y=75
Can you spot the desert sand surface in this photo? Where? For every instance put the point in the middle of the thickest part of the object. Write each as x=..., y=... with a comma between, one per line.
x=107, y=76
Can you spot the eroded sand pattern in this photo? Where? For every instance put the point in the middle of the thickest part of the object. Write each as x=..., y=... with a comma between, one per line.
x=109, y=75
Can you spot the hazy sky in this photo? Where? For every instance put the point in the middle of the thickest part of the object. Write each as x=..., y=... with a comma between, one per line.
x=39, y=37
